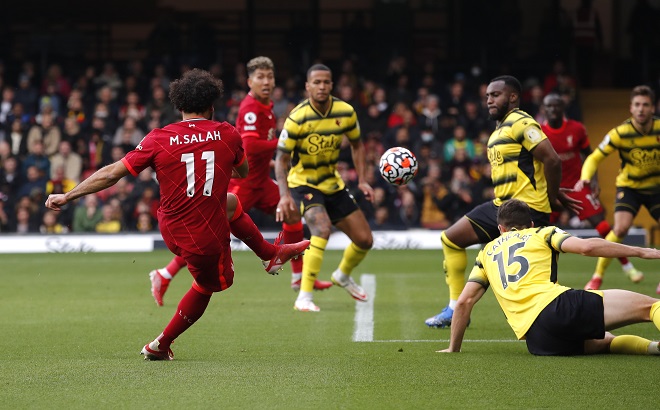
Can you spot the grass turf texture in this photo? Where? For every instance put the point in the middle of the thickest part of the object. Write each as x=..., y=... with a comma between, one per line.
x=73, y=325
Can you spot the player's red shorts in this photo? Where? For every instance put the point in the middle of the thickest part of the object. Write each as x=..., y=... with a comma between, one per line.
x=264, y=198
x=590, y=205
x=213, y=273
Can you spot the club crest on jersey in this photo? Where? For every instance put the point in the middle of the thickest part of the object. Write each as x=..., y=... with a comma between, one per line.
x=250, y=118
x=309, y=196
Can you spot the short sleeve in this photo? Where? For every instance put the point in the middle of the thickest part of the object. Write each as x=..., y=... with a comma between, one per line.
x=528, y=133
x=141, y=157
x=478, y=273
x=353, y=133
x=288, y=136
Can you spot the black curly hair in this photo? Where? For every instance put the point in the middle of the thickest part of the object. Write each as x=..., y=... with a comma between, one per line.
x=195, y=91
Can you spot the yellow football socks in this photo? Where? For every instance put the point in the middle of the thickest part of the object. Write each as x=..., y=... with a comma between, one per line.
x=312, y=261
x=629, y=344
x=352, y=257
x=454, y=264
x=603, y=263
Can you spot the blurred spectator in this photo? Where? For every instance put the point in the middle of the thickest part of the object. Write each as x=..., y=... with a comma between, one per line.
x=6, y=105
x=433, y=190
x=456, y=101
x=128, y=135
x=429, y=119
x=279, y=102
x=87, y=215
x=373, y=123
x=132, y=108
x=458, y=201
x=47, y=132
x=58, y=182
x=38, y=159
x=4, y=217
x=108, y=98
x=533, y=102
x=35, y=181
x=70, y=161
x=18, y=139
x=121, y=194
x=50, y=98
x=76, y=110
x=459, y=141
x=50, y=224
x=473, y=120
x=160, y=102
x=54, y=78
x=408, y=211
x=27, y=95
x=109, y=222
x=24, y=222
x=108, y=77
x=145, y=223
x=10, y=179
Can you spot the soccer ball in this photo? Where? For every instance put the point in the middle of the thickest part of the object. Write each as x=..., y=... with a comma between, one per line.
x=398, y=166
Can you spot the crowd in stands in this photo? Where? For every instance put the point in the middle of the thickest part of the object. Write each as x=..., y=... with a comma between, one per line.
x=59, y=127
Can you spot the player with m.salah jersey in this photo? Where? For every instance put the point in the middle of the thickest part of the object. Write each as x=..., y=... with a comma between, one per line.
x=208, y=150
x=569, y=138
x=257, y=125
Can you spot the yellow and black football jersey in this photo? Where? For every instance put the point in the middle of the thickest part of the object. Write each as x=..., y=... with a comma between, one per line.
x=639, y=153
x=313, y=139
x=515, y=171
x=521, y=268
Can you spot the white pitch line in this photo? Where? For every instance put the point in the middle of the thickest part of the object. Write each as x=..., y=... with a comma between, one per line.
x=364, y=311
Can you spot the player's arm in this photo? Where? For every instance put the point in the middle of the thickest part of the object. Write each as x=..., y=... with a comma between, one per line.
x=358, y=153
x=601, y=248
x=595, y=187
x=544, y=152
x=591, y=163
x=286, y=205
x=254, y=145
x=470, y=295
x=98, y=181
x=242, y=170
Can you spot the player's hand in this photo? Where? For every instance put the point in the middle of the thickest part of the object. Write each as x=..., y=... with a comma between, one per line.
x=567, y=202
x=56, y=201
x=367, y=191
x=580, y=185
x=285, y=207
x=650, y=253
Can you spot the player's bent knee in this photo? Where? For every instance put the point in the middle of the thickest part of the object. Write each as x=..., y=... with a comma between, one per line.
x=598, y=346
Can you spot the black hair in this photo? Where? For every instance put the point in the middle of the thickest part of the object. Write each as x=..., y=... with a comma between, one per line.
x=195, y=91
x=514, y=213
x=510, y=81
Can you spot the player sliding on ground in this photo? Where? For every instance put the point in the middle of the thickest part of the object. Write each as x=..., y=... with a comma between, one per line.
x=521, y=268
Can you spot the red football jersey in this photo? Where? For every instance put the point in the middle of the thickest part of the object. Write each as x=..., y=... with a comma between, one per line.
x=193, y=161
x=257, y=125
x=568, y=140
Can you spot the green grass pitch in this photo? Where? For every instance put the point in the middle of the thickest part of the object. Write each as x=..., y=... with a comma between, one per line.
x=72, y=326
